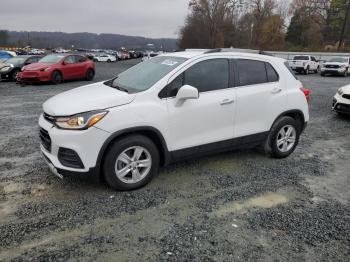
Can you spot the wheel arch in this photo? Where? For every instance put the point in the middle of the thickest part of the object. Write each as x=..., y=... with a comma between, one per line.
x=152, y=133
x=296, y=114
x=57, y=70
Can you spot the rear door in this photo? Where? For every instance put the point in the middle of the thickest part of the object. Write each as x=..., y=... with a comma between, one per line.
x=81, y=66
x=260, y=96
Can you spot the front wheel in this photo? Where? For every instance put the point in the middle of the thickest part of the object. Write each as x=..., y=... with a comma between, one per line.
x=89, y=75
x=283, y=137
x=131, y=162
x=56, y=77
x=307, y=71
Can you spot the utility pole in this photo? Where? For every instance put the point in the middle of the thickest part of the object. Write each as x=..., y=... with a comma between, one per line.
x=341, y=39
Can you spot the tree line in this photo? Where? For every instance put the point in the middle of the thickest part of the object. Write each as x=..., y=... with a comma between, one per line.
x=310, y=25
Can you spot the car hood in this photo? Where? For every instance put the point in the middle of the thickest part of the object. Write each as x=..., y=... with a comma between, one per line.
x=3, y=65
x=86, y=98
x=346, y=89
x=334, y=63
x=37, y=66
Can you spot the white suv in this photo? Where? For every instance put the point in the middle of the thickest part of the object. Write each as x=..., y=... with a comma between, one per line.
x=173, y=107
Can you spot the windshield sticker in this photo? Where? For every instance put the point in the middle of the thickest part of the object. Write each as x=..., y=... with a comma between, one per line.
x=169, y=62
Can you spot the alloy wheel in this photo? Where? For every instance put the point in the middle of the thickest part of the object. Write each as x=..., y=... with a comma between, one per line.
x=286, y=138
x=133, y=164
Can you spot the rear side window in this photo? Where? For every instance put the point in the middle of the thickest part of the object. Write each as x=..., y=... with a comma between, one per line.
x=272, y=75
x=208, y=75
x=251, y=72
x=290, y=70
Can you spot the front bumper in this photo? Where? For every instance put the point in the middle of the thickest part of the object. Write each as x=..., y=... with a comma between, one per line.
x=330, y=71
x=86, y=144
x=34, y=76
x=341, y=105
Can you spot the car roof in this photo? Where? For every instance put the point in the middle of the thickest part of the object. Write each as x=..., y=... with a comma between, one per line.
x=197, y=53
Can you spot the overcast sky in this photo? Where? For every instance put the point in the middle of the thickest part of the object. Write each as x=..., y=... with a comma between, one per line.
x=150, y=18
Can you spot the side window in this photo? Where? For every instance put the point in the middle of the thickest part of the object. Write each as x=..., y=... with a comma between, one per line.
x=251, y=72
x=80, y=59
x=30, y=60
x=208, y=75
x=175, y=85
x=313, y=59
x=70, y=60
x=272, y=75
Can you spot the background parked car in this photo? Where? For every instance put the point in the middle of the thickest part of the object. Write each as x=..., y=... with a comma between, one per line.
x=336, y=66
x=11, y=68
x=4, y=55
x=58, y=67
x=341, y=101
x=304, y=64
x=104, y=58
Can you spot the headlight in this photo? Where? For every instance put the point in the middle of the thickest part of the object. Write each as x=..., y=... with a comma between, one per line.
x=340, y=91
x=45, y=69
x=80, y=121
x=5, y=69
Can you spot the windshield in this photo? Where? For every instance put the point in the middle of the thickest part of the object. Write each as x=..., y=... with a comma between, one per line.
x=16, y=60
x=51, y=59
x=338, y=59
x=144, y=75
x=301, y=58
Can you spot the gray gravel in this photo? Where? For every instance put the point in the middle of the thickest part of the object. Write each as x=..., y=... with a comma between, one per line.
x=236, y=206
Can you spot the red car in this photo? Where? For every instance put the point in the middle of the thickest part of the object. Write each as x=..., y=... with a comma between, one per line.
x=58, y=67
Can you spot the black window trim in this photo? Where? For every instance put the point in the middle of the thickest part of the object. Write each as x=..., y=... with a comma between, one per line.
x=165, y=93
x=237, y=84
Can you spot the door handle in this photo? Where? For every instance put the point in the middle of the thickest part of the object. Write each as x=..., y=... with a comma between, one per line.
x=276, y=90
x=226, y=101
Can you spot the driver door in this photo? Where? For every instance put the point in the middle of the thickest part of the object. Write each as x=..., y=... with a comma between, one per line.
x=209, y=118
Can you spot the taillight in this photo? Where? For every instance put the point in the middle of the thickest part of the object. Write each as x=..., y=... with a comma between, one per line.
x=306, y=92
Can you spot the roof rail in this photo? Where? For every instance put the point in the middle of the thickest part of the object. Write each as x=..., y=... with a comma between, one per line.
x=251, y=51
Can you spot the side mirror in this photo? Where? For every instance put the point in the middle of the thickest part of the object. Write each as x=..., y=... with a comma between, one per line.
x=187, y=92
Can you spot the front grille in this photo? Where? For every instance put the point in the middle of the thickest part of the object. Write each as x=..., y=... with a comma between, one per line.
x=45, y=139
x=346, y=96
x=49, y=118
x=332, y=66
x=342, y=108
x=69, y=158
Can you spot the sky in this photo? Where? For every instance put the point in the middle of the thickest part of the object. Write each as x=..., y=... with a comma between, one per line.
x=149, y=18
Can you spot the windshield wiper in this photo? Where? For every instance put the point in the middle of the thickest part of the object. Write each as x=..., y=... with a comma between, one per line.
x=121, y=89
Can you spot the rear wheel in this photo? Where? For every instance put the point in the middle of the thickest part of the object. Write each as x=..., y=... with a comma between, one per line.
x=15, y=74
x=346, y=73
x=131, y=162
x=56, y=77
x=89, y=75
x=283, y=137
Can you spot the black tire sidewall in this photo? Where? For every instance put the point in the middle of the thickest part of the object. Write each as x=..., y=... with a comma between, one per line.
x=283, y=121
x=13, y=78
x=88, y=77
x=53, y=78
x=118, y=147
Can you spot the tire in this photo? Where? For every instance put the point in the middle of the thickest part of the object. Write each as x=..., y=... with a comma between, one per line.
x=120, y=158
x=276, y=145
x=323, y=74
x=345, y=73
x=109, y=60
x=56, y=77
x=317, y=70
x=89, y=75
x=14, y=75
x=306, y=71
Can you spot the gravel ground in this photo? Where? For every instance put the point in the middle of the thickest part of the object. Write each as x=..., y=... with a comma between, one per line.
x=237, y=206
